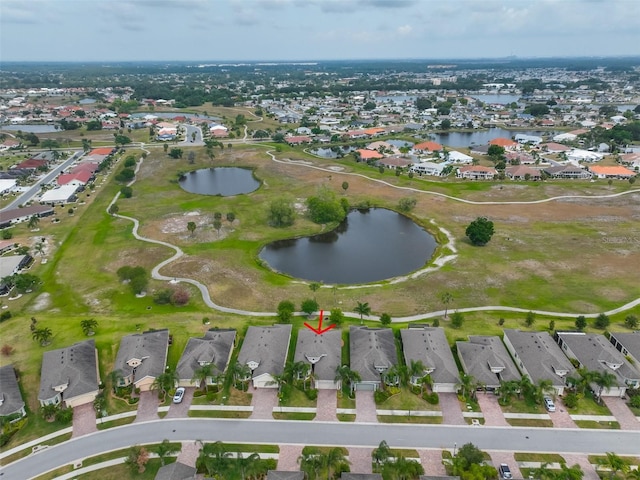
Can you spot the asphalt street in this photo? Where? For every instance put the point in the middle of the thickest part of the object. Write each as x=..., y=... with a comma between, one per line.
x=329, y=433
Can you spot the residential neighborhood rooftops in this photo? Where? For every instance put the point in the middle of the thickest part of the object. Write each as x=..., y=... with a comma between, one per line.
x=176, y=471
x=264, y=349
x=282, y=475
x=428, y=146
x=11, y=401
x=486, y=359
x=323, y=351
x=611, y=171
x=145, y=353
x=214, y=349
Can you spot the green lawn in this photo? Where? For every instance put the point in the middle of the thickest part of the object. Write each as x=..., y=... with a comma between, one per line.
x=409, y=419
x=598, y=425
x=406, y=400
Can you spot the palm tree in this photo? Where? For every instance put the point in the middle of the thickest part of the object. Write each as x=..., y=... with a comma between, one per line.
x=362, y=309
x=403, y=469
x=634, y=474
x=346, y=376
x=333, y=460
x=39, y=248
x=446, y=298
x=614, y=464
x=165, y=382
x=542, y=388
x=310, y=463
x=507, y=390
x=115, y=376
x=214, y=457
x=165, y=449
x=191, y=226
x=569, y=473
x=202, y=374
x=604, y=381
x=248, y=467
x=525, y=386
x=88, y=326
x=314, y=287
x=33, y=221
x=467, y=386
x=382, y=453
x=240, y=373
x=417, y=372
x=542, y=472
x=42, y=336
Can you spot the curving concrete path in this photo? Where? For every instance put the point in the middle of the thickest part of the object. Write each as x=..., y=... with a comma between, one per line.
x=155, y=273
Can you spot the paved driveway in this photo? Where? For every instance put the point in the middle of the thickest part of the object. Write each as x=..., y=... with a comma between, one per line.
x=561, y=417
x=84, y=420
x=326, y=405
x=620, y=410
x=493, y=416
x=360, y=459
x=450, y=407
x=181, y=410
x=365, y=407
x=431, y=461
x=582, y=460
x=505, y=457
x=263, y=401
x=147, y=407
x=288, y=458
x=189, y=453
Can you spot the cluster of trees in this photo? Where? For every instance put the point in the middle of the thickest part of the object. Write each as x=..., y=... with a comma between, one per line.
x=480, y=231
x=136, y=277
x=281, y=212
x=174, y=296
x=218, y=461
x=325, y=207
x=319, y=463
x=22, y=282
x=468, y=463
x=395, y=466
x=618, y=136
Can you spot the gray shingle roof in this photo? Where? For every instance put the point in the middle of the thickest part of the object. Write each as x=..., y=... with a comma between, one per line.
x=176, y=471
x=429, y=345
x=75, y=365
x=267, y=346
x=360, y=476
x=630, y=341
x=541, y=356
x=150, y=347
x=325, y=350
x=214, y=348
x=371, y=348
x=486, y=359
x=280, y=475
x=10, y=395
x=596, y=354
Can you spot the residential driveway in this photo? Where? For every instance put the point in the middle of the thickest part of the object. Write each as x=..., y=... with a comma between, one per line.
x=189, y=453
x=582, y=460
x=450, y=407
x=181, y=410
x=326, y=406
x=505, y=457
x=365, y=408
x=431, y=461
x=360, y=459
x=147, y=407
x=620, y=410
x=561, y=417
x=288, y=458
x=493, y=416
x=84, y=420
x=263, y=401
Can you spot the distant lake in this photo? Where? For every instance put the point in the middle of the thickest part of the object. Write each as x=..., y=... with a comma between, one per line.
x=224, y=181
x=31, y=128
x=497, y=98
x=87, y=101
x=172, y=115
x=368, y=246
x=480, y=137
x=396, y=98
x=330, y=153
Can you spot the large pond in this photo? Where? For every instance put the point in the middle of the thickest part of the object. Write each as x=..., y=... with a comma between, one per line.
x=224, y=181
x=172, y=115
x=481, y=137
x=368, y=246
x=31, y=128
x=500, y=98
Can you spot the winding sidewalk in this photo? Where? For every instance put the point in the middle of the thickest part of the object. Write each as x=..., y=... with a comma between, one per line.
x=206, y=296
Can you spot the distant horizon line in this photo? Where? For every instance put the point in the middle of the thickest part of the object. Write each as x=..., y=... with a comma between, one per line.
x=215, y=62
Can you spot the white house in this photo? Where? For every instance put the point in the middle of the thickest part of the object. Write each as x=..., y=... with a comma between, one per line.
x=428, y=168
x=579, y=155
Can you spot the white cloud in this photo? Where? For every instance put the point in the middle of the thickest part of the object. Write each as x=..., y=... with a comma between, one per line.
x=404, y=30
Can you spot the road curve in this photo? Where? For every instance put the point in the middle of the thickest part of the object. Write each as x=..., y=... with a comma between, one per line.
x=155, y=273
x=585, y=441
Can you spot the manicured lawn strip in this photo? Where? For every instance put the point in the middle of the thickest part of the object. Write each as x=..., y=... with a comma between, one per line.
x=115, y=423
x=522, y=406
x=250, y=448
x=218, y=414
x=629, y=459
x=293, y=416
x=588, y=406
x=344, y=401
x=323, y=450
x=405, y=452
x=529, y=422
x=118, y=472
x=598, y=425
x=346, y=417
x=297, y=398
x=409, y=419
x=538, y=457
x=406, y=400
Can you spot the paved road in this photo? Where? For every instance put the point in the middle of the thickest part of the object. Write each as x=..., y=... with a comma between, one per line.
x=326, y=433
x=35, y=188
x=189, y=129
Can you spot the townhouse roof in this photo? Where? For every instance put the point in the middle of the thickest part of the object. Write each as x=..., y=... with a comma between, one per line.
x=369, y=154
x=176, y=471
x=214, y=348
x=10, y=397
x=429, y=345
x=282, y=475
x=428, y=146
x=266, y=347
x=540, y=355
x=554, y=147
x=477, y=168
x=146, y=352
x=486, y=359
x=616, y=170
x=521, y=171
x=323, y=351
x=360, y=476
x=596, y=354
x=372, y=350
x=8, y=215
x=503, y=142
x=395, y=162
x=74, y=366
x=630, y=341
x=101, y=151
x=81, y=176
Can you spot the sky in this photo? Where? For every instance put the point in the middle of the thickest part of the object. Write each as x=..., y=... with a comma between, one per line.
x=243, y=30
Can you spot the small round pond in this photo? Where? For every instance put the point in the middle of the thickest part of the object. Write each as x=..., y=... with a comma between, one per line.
x=368, y=246
x=224, y=181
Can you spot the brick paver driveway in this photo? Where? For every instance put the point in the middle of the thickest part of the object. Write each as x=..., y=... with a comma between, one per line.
x=431, y=461
x=181, y=410
x=620, y=410
x=189, y=453
x=288, y=458
x=561, y=417
x=84, y=420
x=365, y=407
x=582, y=460
x=326, y=405
x=360, y=459
x=147, y=407
x=505, y=457
x=491, y=410
x=263, y=401
x=450, y=407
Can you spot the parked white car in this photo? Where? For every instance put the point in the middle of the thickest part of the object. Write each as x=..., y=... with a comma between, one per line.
x=549, y=405
x=177, y=398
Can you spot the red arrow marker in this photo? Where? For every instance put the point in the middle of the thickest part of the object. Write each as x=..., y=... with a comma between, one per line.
x=319, y=330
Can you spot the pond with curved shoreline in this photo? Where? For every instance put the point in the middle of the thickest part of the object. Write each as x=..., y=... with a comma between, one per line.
x=368, y=246
x=223, y=181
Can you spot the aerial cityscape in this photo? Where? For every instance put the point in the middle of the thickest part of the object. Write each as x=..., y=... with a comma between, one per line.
x=356, y=239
